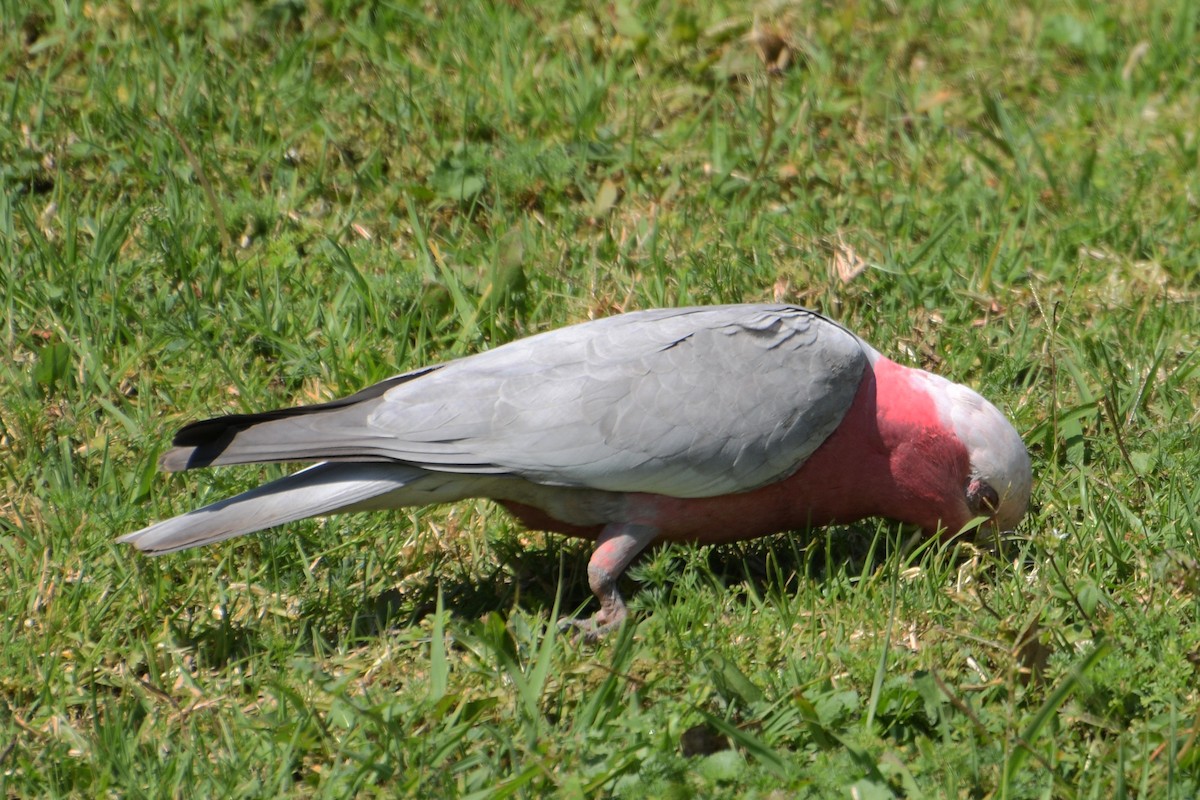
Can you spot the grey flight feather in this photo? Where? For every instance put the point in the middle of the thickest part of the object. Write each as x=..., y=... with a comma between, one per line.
x=320, y=489
x=693, y=402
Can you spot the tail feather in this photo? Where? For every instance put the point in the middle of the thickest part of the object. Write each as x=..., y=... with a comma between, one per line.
x=319, y=490
x=265, y=436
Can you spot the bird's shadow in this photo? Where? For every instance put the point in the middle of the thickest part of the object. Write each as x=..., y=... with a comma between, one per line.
x=552, y=573
x=540, y=574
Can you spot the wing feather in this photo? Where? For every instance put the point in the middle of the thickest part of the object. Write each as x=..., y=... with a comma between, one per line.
x=684, y=402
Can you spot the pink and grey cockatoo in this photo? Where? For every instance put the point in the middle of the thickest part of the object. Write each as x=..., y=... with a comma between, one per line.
x=708, y=424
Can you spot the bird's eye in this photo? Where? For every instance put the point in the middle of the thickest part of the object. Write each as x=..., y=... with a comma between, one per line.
x=983, y=498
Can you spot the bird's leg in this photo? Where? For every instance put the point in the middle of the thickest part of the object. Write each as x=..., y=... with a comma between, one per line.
x=616, y=547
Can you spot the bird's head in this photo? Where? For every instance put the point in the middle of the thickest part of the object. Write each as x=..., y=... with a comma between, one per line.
x=999, y=479
x=954, y=457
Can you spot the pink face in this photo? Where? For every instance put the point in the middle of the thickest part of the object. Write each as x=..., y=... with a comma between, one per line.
x=954, y=455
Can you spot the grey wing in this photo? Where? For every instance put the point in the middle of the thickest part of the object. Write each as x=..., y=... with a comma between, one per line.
x=684, y=402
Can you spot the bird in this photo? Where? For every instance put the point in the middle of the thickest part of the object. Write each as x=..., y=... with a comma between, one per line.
x=705, y=424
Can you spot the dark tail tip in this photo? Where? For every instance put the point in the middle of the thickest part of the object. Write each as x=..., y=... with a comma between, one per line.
x=199, y=444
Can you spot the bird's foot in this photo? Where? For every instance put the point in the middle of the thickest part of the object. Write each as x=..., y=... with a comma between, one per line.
x=610, y=616
x=615, y=548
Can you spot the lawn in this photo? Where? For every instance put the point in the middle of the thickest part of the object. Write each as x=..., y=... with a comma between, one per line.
x=228, y=206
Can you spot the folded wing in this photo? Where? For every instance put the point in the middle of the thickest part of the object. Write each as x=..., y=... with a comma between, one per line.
x=684, y=402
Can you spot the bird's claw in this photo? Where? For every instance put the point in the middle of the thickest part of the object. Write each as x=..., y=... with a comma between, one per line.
x=595, y=628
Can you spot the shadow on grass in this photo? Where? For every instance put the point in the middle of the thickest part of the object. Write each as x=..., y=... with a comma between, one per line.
x=525, y=577
x=531, y=576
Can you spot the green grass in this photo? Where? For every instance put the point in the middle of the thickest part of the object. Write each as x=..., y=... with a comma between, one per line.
x=223, y=206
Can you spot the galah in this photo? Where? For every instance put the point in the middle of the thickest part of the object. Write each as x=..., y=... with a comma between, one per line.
x=707, y=424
